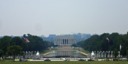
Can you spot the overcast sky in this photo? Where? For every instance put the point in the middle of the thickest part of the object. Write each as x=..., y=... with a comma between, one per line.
x=43, y=17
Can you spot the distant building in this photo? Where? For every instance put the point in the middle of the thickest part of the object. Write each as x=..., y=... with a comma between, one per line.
x=78, y=37
x=64, y=40
x=64, y=43
x=50, y=38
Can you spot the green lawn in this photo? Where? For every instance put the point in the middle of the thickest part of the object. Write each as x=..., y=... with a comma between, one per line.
x=67, y=62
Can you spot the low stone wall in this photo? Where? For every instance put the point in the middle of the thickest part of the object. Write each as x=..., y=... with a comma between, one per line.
x=61, y=59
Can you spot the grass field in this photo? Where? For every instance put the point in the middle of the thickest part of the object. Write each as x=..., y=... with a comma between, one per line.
x=67, y=62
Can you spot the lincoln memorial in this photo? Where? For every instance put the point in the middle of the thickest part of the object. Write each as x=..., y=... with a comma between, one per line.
x=64, y=46
x=64, y=40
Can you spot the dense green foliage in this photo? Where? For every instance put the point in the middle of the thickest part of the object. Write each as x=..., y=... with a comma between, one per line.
x=14, y=50
x=107, y=42
x=67, y=62
x=9, y=44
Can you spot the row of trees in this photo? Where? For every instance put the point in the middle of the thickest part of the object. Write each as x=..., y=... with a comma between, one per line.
x=107, y=42
x=16, y=45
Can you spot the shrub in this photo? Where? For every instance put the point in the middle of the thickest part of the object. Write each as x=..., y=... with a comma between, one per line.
x=90, y=60
x=47, y=60
x=81, y=60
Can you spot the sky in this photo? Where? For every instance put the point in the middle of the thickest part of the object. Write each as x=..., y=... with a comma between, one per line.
x=44, y=17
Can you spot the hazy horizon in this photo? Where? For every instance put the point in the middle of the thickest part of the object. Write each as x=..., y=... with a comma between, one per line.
x=44, y=17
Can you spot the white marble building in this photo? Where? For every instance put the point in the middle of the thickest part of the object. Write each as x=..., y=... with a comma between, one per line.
x=64, y=40
x=64, y=45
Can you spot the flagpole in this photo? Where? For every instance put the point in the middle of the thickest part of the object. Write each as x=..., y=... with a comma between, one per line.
x=120, y=50
x=107, y=48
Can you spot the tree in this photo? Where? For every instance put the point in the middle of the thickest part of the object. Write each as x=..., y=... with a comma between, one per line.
x=1, y=54
x=4, y=43
x=36, y=44
x=13, y=45
x=14, y=50
x=17, y=41
x=115, y=53
x=100, y=43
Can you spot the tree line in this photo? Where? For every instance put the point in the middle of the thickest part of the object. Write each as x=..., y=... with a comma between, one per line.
x=15, y=45
x=107, y=42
